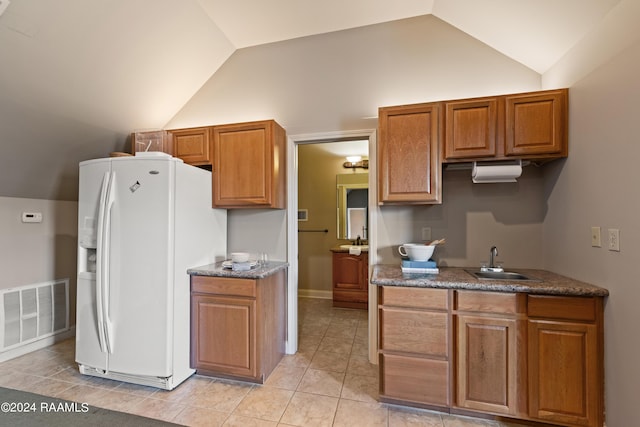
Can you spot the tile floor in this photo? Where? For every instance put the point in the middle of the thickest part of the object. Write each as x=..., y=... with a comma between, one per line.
x=329, y=382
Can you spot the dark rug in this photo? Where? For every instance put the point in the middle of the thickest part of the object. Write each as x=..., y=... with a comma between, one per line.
x=21, y=409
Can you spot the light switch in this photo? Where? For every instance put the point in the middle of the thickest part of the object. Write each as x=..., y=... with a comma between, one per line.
x=595, y=237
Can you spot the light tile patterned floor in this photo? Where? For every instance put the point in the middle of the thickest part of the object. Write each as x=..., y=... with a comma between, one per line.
x=329, y=382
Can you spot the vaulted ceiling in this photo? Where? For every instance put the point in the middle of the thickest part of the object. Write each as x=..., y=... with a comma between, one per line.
x=112, y=66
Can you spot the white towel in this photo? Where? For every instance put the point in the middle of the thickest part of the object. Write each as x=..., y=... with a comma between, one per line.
x=355, y=250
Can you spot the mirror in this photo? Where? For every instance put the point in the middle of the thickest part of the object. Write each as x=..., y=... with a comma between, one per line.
x=353, y=201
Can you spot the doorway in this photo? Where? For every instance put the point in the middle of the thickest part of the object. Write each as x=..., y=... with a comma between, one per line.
x=294, y=226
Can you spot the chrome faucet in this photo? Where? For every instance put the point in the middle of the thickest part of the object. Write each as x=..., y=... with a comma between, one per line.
x=493, y=253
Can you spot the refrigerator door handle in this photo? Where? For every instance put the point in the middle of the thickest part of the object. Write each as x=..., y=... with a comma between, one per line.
x=108, y=327
x=101, y=262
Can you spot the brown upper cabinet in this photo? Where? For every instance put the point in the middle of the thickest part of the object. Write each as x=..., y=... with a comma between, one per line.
x=249, y=168
x=192, y=145
x=471, y=128
x=536, y=124
x=408, y=150
x=526, y=126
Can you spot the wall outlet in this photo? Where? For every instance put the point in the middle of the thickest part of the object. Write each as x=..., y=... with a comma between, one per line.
x=614, y=239
x=426, y=233
x=595, y=237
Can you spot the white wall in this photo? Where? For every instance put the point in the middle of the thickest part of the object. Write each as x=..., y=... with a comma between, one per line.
x=598, y=187
x=38, y=252
x=337, y=81
x=258, y=231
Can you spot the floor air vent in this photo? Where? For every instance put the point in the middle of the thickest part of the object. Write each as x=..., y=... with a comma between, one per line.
x=32, y=312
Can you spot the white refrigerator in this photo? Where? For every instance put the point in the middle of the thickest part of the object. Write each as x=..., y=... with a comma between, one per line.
x=142, y=222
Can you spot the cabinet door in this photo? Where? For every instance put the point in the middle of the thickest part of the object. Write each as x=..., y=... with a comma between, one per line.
x=536, y=123
x=471, y=128
x=223, y=335
x=350, y=280
x=249, y=165
x=563, y=372
x=192, y=145
x=408, y=150
x=347, y=271
x=487, y=364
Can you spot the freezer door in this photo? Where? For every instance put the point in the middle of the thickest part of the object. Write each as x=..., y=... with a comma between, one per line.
x=88, y=351
x=140, y=289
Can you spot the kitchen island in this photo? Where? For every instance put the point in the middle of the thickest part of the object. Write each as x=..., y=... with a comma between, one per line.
x=238, y=320
x=530, y=350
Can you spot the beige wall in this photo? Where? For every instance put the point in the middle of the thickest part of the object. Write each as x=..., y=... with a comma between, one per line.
x=38, y=252
x=598, y=186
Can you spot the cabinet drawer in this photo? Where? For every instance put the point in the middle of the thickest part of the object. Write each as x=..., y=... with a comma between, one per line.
x=489, y=302
x=414, y=331
x=414, y=379
x=223, y=286
x=435, y=299
x=558, y=307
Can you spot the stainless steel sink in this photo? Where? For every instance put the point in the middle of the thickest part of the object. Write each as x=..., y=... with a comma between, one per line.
x=501, y=275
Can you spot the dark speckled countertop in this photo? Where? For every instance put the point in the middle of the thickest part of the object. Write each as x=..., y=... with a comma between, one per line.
x=457, y=278
x=216, y=270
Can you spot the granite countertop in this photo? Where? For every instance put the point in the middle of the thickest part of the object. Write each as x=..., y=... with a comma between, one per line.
x=260, y=272
x=457, y=278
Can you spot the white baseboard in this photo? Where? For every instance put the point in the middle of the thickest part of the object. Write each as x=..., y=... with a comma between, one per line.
x=312, y=293
x=37, y=345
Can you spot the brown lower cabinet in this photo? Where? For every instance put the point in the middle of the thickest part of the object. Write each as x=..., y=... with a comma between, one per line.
x=350, y=280
x=566, y=360
x=488, y=350
x=237, y=326
x=531, y=357
x=414, y=339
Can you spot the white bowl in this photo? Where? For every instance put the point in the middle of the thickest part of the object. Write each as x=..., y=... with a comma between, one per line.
x=240, y=256
x=416, y=251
